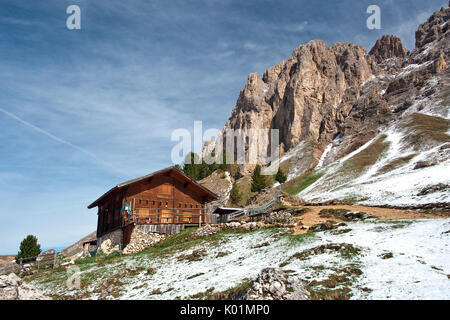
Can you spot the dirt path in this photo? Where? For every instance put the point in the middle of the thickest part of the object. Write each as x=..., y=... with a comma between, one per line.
x=311, y=217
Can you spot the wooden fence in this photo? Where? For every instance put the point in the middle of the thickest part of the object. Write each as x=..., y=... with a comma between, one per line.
x=37, y=262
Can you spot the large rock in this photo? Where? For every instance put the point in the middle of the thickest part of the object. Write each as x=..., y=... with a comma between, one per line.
x=274, y=284
x=13, y=288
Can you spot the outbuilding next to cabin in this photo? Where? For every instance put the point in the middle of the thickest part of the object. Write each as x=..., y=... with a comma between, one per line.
x=165, y=201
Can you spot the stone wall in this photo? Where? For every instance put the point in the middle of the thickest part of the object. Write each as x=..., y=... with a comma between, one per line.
x=115, y=236
x=141, y=238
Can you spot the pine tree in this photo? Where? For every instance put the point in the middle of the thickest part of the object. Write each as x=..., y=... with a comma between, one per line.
x=29, y=248
x=280, y=176
x=258, y=180
x=235, y=195
x=190, y=167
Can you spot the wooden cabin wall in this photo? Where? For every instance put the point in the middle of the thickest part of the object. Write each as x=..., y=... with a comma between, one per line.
x=109, y=217
x=162, y=191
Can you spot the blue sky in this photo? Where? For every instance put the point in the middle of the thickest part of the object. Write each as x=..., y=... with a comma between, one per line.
x=83, y=110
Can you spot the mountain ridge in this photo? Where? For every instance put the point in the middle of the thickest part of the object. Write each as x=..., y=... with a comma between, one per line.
x=323, y=94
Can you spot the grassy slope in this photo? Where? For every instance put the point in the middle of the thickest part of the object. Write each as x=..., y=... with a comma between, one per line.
x=425, y=130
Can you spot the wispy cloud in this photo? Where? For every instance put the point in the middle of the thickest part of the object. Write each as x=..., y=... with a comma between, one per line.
x=57, y=139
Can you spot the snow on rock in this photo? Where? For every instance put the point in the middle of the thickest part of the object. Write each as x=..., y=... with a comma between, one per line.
x=324, y=154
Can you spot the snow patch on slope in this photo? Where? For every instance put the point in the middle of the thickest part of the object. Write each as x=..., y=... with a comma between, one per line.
x=399, y=186
x=418, y=268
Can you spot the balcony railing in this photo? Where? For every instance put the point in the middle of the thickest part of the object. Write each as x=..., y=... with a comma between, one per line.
x=164, y=215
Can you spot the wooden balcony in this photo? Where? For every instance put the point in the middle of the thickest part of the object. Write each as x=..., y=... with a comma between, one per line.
x=165, y=216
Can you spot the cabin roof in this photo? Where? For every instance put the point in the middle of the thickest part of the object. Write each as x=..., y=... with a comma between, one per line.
x=181, y=175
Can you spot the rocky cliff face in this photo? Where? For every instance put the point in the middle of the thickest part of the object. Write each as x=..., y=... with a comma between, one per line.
x=364, y=114
x=297, y=96
x=323, y=92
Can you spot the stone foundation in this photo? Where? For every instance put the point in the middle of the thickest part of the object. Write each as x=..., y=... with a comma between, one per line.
x=140, y=240
x=115, y=237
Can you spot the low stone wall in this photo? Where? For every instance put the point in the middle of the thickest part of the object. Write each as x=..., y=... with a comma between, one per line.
x=140, y=240
x=115, y=237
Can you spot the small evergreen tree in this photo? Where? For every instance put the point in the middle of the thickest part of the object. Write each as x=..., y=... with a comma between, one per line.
x=280, y=176
x=190, y=167
x=258, y=180
x=29, y=247
x=235, y=195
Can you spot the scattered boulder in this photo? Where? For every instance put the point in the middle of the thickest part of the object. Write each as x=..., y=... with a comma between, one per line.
x=274, y=284
x=196, y=255
x=423, y=164
x=13, y=288
x=433, y=188
x=281, y=219
x=327, y=225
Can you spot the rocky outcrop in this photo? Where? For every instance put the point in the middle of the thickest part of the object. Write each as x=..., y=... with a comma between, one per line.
x=434, y=28
x=296, y=95
x=388, y=47
x=274, y=284
x=13, y=288
x=221, y=184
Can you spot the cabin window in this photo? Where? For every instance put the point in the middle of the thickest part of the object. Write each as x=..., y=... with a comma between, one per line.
x=179, y=205
x=140, y=201
x=185, y=205
x=153, y=202
x=167, y=204
x=160, y=204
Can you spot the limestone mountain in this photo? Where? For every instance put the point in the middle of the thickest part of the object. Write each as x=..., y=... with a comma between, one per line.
x=332, y=103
